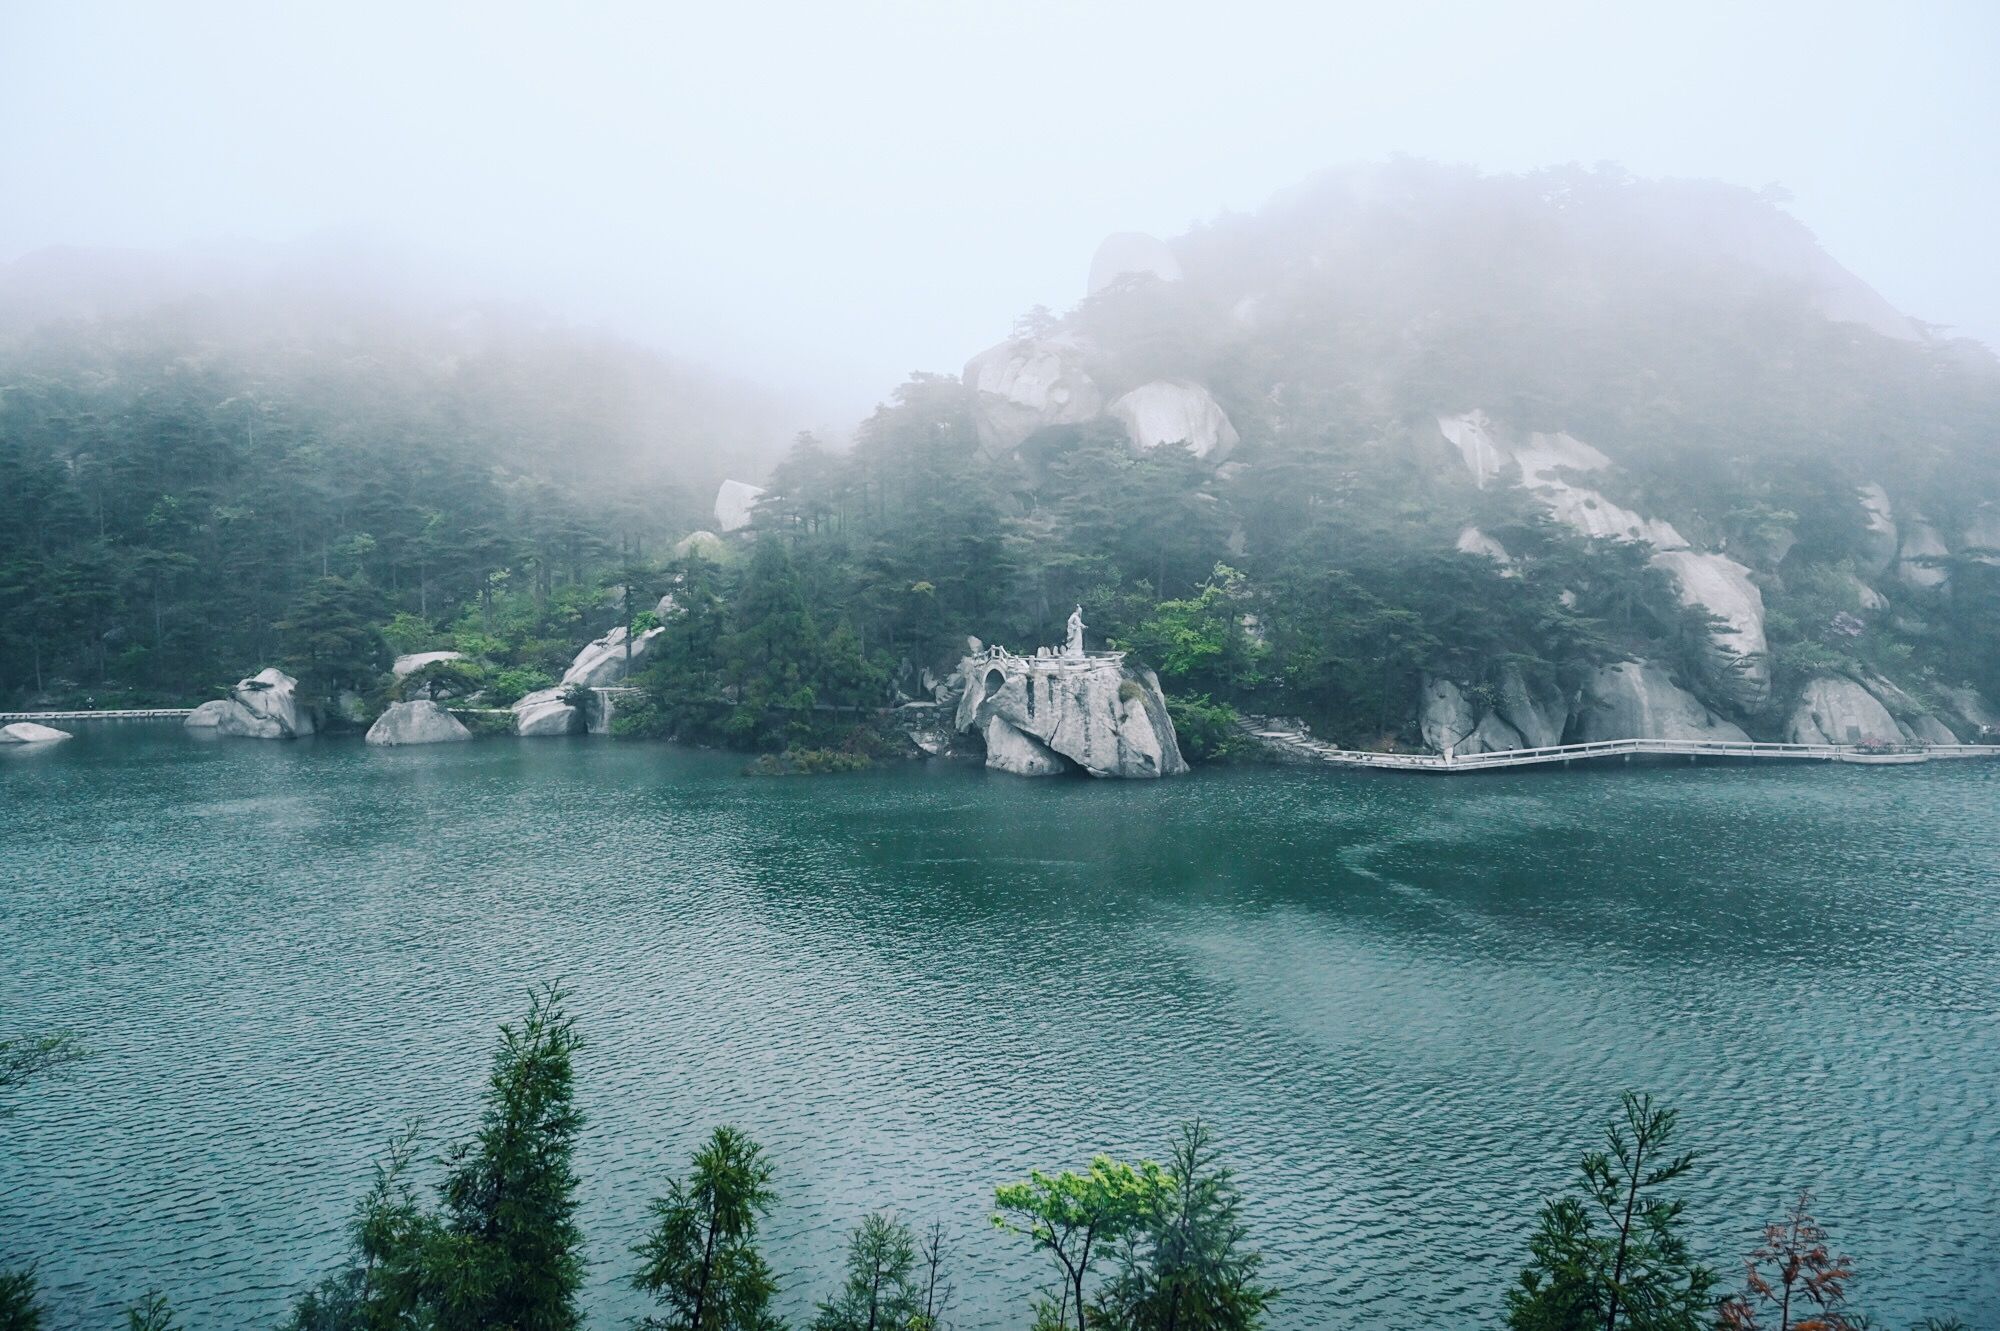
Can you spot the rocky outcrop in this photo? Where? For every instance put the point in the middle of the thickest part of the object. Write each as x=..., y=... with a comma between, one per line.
x=705, y=544
x=1092, y=711
x=264, y=706
x=31, y=732
x=605, y=662
x=1472, y=541
x=1126, y=254
x=544, y=712
x=1545, y=464
x=1833, y=710
x=412, y=662
x=420, y=722
x=1548, y=465
x=1011, y=750
x=1738, y=660
x=1026, y=384
x=1638, y=700
x=1913, y=718
x=1451, y=723
x=1879, y=545
x=1175, y=411
x=1537, y=712
x=735, y=502
x=1914, y=561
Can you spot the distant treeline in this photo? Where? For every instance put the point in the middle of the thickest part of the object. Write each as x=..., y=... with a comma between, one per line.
x=1143, y=1246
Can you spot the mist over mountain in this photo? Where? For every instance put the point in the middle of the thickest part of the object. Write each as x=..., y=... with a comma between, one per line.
x=1636, y=454
x=1412, y=437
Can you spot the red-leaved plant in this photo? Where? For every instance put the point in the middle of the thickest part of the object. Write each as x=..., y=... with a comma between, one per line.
x=1794, y=1275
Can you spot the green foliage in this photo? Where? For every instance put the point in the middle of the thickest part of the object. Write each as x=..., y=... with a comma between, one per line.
x=20, y=1305
x=1616, y=1256
x=329, y=636
x=1183, y=1265
x=442, y=681
x=880, y=1293
x=506, y=687
x=26, y=1057
x=151, y=1313
x=1206, y=729
x=389, y=1280
x=1075, y=1217
x=1199, y=643
x=509, y=1250
x=700, y=1260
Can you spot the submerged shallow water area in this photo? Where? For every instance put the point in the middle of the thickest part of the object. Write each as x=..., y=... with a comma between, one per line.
x=1405, y=1004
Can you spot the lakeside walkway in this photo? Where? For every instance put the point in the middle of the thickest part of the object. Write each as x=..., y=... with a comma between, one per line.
x=1294, y=742
x=114, y=714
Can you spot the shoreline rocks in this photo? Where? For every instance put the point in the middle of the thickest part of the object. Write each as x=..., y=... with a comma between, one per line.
x=1638, y=700
x=419, y=722
x=605, y=662
x=32, y=732
x=1088, y=712
x=264, y=706
x=544, y=712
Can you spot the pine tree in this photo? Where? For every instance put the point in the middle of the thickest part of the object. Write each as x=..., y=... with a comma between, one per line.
x=880, y=1293
x=1616, y=1257
x=701, y=1259
x=1184, y=1266
x=510, y=1253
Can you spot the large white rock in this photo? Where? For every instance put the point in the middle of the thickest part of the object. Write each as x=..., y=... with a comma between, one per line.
x=1025, y=384
x=1107, y=719
x=1472, y=541
x=1738, y=662
x=544, y=712
x=1175, y=411
x=1011, y=750
x=264, y=706
x=1921, y=543
x=412, y=662
x=31, y=732
x=1450, y=721
x=1912, y=717
x=1833, y=710
x=1879, y=546
x=419, y=722
x=1637, y=700
x=1132, y=253
x=705, y=544
x=1545, y=463
x=1535, y=711
x=735, y=502
x=605, y=661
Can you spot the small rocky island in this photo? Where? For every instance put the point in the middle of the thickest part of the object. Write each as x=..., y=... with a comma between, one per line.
x=1067, y=711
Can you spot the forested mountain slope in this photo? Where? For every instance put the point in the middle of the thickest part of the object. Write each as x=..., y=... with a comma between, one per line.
x=1427, y=457
x=1435, y=457
x=205, y=467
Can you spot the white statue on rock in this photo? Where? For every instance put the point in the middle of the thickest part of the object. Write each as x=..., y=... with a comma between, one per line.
x=1075, y=646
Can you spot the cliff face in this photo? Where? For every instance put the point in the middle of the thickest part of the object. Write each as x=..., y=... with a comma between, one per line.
x=1042, y=715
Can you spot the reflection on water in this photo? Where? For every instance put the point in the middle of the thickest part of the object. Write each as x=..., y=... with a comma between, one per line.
x=1406, y=1004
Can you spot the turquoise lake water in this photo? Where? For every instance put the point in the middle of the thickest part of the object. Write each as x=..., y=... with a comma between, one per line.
x=1406, y=1004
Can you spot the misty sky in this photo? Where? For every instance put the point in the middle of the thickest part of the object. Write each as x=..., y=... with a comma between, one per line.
x=836, y=193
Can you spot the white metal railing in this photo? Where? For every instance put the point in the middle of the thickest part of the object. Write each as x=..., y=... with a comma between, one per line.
x=1265, y=730
x=114, y=714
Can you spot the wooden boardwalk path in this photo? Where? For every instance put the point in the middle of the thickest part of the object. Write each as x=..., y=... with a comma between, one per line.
x=1291, y=741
